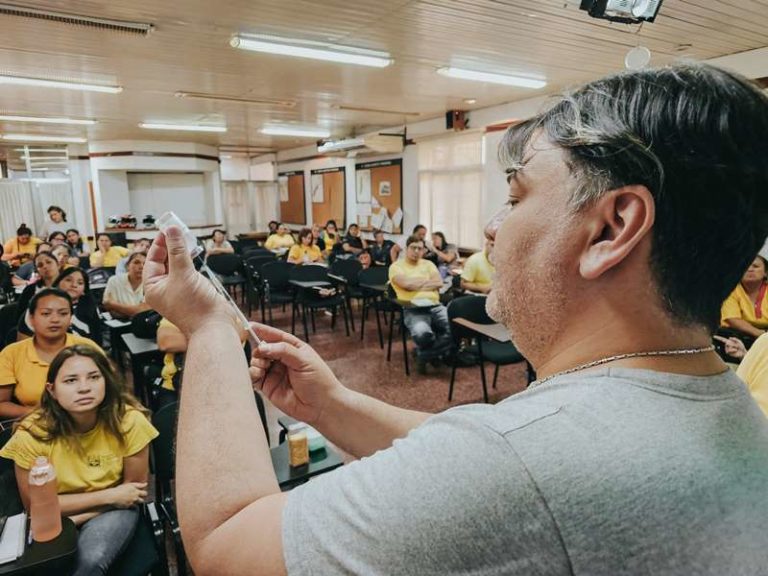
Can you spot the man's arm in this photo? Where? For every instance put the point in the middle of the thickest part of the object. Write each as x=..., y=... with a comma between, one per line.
x=475, y=287
x=416, y=284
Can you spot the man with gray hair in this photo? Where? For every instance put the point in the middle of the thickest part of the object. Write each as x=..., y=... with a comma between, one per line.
x=635, y=204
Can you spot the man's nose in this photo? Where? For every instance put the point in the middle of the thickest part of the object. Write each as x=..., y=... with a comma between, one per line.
x=493, y=224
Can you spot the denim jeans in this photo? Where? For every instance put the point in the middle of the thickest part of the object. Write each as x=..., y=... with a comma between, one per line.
x=102, y=539
x=430, y=330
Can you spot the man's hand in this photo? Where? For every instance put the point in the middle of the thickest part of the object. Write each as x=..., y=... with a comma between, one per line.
x=291, y=375
x=128, y=494
x=176, y=290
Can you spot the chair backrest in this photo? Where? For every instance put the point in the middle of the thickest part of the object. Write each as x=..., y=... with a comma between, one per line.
x=470, y=307
x=225, y=264
x=99, y=275
x=256, y=251
x=10, y=500
x=256, y=261
x=347, y=269
x=164, y=446
x=9, y=321
x=309, y=273
x=374, y=275
x=276, y=274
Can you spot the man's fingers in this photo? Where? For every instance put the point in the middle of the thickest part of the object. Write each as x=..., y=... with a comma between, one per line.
x=270, y=334
x=282, y=352
x=179, y=260
x=154, y=265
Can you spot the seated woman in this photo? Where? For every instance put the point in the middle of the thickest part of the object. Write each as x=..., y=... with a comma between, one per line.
x=305, y=252
x=353, y=243
x=331, y=236
x=25, y=273
x=57, y=238
x=57, y=222
x=21, y=248
x=23, y=365
x=97, y=438
x=745, y=312
x=365, y=260
x=124, y=294
x=317, y=237
x=280, y=240
x=64, y=256
x=441, y=254
x=85, y=310
x=46, y=271
x=76, y=244
x=218, y=244
x=107, y=255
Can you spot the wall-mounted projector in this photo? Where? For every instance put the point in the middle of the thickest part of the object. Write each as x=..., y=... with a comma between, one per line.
x=627, y=11
x=379, y=143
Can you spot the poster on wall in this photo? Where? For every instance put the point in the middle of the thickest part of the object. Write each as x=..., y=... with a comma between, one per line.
x=328, y=190
x=282, y=185
x=292, y=203
x=379, y=195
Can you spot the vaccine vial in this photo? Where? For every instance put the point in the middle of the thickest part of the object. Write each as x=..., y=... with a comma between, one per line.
x=170, y=219
x=298, y=445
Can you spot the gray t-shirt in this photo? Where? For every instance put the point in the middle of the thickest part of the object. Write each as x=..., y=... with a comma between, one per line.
x=612, y=472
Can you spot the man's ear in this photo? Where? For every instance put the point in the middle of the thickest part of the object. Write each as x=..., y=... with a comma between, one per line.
x=616, y=224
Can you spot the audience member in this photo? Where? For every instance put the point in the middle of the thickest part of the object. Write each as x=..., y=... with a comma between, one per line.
x=745, y=311
x=79, y=247
x=140, y=246
x=272, y=227
x=25, y=273
x=381, y=249
x=280, y=240
x=107, y=255
x=753, y=368
x=56, y=222
x=46, y=270
x=124, y=294
x=217, y=244
x=317, y=237
x=173, y=344
x=353, y=243
x=399, y=247
x=24, y=364
x=85, y=310
x=21, y=248
x=365, y=260
x=478, y=272
x=64, y=257
x=97, y=437
x=57, y=238
x=418, y=282
x=441, y=253
x=331, y=236
x=635, y=204
x=305, y=252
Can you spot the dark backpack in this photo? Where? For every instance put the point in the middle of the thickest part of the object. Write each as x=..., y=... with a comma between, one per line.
x=144, y=324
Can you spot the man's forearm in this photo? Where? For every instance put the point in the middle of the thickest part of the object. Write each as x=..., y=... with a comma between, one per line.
x=223, y=458
x=361, y=425
x=475, y=287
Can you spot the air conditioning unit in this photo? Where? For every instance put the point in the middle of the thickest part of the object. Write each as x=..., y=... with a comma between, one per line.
x=372, y=143
x=626, y=11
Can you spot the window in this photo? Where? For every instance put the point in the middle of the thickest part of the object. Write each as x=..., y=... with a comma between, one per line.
x=451, y=180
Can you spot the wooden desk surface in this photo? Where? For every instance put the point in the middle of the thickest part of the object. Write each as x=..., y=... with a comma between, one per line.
x=496, y=332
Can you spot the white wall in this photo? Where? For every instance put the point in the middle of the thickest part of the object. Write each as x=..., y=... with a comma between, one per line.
x=156, y=193
x=113, y=195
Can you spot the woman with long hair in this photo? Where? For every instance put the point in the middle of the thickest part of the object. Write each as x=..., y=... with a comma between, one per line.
x=305, y=252
x=124, y=294
x=85, y=313
x=107, y=255
x=97, y=437
x=47, y=269
x=76, y=244
x=56, y=222
x=21, y=248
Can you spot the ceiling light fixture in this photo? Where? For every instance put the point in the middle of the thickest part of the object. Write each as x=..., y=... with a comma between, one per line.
x=505, y=79
x=184, y=127
x=237, y=99
x=44, y=83
x=61, y=158
x=28, y=149
x=349, y=108
x=296, y=131
x=39, y=138
x=313, y=50
x=44, y=120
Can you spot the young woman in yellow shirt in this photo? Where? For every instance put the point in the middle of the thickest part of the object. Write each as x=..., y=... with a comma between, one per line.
x=305, y=252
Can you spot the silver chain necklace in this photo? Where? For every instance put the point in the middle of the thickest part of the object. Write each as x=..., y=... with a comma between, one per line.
x=684, y=352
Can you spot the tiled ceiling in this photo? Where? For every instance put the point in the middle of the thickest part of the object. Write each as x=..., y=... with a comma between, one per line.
x=189, y=51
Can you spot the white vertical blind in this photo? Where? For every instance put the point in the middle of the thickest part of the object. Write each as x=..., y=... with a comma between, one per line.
x=26, y=201
x=451, y=188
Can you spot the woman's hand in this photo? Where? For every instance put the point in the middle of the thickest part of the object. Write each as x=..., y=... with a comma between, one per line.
x=128, y=495
x=292, y=375
x=733, y=346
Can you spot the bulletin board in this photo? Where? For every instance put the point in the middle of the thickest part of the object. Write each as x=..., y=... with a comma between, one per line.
x=292, y=202
x=328, y=191
x=379, y=190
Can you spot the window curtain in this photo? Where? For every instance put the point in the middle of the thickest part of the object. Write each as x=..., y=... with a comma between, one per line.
x=237, y=210
x=16, y=207
x=451, y=178
x=266, y=204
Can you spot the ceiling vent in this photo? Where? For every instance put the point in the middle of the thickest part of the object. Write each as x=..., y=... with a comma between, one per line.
x=140, y=28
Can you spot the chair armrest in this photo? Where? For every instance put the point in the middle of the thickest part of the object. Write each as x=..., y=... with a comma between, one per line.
x=151, y=513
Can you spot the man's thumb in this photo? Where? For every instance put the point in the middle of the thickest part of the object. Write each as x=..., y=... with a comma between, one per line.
x=178, y=256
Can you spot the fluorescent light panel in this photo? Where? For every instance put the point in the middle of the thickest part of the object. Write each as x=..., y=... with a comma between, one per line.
x=184, y=127
x=39, y=138
x=33, y=158
x=44, y=83
x=44, y=120
x=28, y=149
x=464, y=74
x=296, y=131
x=312, y=50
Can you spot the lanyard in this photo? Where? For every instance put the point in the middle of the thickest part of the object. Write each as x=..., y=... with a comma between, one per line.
x=759, y=301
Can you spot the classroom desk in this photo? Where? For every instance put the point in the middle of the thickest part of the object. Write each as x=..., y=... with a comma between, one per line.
x=54, y=557
x=496, y=332
x=116, y=329
x=310, y=283
x=142, y=351
x=320, y=462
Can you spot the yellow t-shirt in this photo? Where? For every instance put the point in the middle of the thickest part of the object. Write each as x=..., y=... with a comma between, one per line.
x=739, y=305
x=21, y=367
x=13, y=246
x=754, y=371
x=169, y=360
x=99, y=466
x=111, y=258
x=298, y=251
x=276, y=241
x=478, y=270
x=422, y=270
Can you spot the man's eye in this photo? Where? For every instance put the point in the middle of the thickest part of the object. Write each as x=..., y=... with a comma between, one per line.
x=511, y=202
